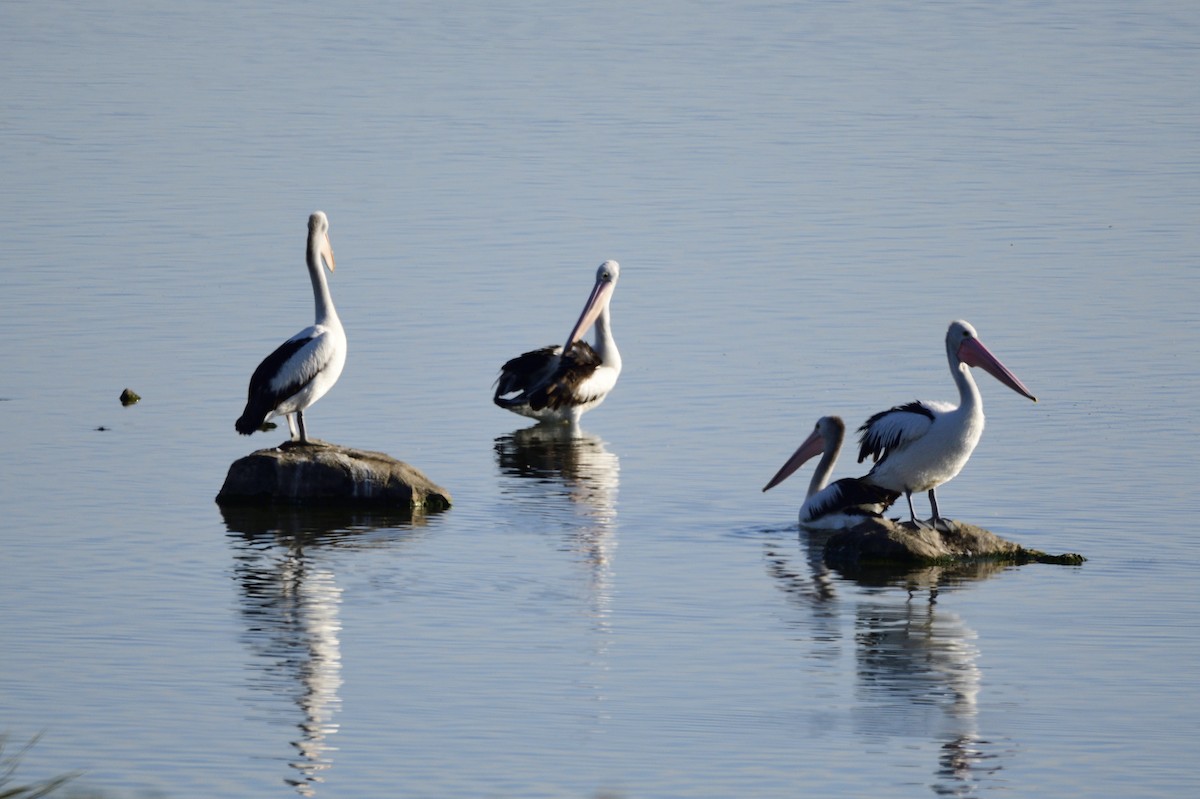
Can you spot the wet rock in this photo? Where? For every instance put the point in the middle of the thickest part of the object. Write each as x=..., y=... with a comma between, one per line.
x=886, y=541
x=129, y=397
x=319, y=473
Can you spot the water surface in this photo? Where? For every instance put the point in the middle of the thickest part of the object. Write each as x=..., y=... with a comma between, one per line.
x=801, y=198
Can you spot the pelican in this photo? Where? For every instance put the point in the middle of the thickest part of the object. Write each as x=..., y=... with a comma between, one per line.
x=844, y=503
x=919, y=446
x=559, y=384
x=304, y=367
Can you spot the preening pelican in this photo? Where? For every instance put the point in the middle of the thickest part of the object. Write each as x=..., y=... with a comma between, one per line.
x=919, y=446
x=842, y=504
x=557, y=384
x=307, y=365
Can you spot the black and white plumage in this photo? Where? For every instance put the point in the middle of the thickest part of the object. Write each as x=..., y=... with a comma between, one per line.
x=559, y=384
x=306, y=366
x=920, y=445
x=839, y=505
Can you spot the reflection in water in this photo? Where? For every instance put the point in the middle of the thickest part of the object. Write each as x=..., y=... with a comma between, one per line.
x=916, y=663
x=814, y=587
x=564, y=460
x=928, y=580
x=809, y=587
x=918, y=675
x=565, y=463
x=290, y=607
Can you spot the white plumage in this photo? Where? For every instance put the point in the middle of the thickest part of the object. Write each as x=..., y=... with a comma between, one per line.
x=559, y=384
x=302, y=369
x=921, y=445
x=844, y=503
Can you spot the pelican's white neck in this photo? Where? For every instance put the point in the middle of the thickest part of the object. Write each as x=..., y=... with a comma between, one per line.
x=829, y=456
x=606, y=345
x=326, y=313
x=969, y=398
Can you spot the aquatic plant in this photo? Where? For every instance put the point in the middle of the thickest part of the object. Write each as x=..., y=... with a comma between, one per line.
x=34, y=790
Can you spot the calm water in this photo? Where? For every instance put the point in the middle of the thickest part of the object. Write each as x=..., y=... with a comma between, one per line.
x=801, y=198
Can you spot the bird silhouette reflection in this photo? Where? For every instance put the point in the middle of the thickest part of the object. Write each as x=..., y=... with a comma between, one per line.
x=290, y=603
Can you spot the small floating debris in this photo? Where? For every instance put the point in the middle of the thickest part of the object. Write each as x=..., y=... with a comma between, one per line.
x=130, y=397
x=102, y=429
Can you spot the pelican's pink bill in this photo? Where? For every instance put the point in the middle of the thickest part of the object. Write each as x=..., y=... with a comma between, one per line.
x=973, y=353
x=812, y=446
x=595, y=304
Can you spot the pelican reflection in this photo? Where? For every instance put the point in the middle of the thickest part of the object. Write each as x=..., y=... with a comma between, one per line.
x=566, y=482
x=918, y=676
x=917, y=673
x=809, y=586
x=290, y=603
x=560, y=461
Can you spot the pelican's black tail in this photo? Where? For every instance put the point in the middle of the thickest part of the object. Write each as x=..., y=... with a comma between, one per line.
x=246, y=424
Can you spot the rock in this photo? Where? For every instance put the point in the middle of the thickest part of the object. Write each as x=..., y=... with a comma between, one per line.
x=129, y=397
x=886, y=541
x=327, y=474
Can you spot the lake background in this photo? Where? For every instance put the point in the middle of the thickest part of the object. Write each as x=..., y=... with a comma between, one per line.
x=801, y=197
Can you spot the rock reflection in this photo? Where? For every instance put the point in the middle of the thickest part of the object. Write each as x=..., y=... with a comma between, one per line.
x=290, y=605
x=924, y=580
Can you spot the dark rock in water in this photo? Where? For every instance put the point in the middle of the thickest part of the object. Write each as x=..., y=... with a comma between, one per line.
x=326, y=474
x=886, y=541
x=129, y=397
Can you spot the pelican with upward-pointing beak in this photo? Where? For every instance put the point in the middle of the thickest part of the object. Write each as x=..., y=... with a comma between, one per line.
x=306, y=366
x=559, y=384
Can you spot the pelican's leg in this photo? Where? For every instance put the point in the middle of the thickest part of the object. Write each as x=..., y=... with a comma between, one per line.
x=291, y=425
x=938, y=522
x=304, y=436
x=912, y=514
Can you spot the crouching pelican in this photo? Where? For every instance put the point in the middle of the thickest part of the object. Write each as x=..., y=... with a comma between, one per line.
x=919, y=446
x=304, y=367
x=842, y=504
x=557, y=384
